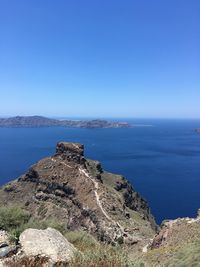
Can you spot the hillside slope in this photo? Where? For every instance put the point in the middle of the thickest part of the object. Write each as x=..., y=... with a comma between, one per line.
x=82, y=196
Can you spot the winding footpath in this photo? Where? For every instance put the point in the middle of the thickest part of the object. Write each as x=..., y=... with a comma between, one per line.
x=84, y=172
x=96, y=186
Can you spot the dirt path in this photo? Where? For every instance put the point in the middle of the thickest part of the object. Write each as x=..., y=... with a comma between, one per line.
x=96, y=186
x=63, y=163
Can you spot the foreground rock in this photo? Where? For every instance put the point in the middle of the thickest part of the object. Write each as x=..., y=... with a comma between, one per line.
x=6, y=249
x=79, y=194
x=47, y=243
x=39, y=248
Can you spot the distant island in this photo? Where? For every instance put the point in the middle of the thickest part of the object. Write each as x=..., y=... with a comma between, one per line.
x=197, y=130
x=40, y=121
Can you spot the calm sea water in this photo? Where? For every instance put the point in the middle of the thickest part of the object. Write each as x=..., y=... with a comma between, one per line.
x=162, y=162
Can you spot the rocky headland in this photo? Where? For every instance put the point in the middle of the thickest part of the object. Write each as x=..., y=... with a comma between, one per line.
x=80, y=194
x=39, y=121
x=86, y=200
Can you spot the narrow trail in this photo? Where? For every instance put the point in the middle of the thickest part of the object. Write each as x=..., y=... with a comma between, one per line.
x=97, y=195
x=96, y=186
x=119, y=230
x=63, y=163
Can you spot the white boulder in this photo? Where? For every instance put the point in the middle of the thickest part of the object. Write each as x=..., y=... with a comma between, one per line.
x=48, y=243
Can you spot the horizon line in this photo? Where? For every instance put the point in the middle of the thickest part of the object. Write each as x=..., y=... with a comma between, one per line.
x=99, y=117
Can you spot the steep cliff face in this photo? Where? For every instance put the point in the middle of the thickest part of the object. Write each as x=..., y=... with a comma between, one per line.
x=81, y=195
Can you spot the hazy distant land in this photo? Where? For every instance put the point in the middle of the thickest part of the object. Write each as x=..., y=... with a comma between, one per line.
x=40, y=121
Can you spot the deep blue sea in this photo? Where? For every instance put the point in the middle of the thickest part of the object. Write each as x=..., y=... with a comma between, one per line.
x=162, y=161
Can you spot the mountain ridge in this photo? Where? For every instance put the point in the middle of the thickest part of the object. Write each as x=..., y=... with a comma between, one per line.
x=40, y=121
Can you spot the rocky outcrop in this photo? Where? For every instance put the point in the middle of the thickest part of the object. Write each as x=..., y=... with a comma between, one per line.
x=71, y=152
x=82, y=196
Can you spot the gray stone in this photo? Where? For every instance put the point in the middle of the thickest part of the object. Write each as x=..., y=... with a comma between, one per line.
x=5, y=251
x=198, y=213
x=3, y=244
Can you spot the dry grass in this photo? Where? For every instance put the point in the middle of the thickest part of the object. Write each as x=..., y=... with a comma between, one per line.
x=94, y=254
x=183, y=255
x=28, y=262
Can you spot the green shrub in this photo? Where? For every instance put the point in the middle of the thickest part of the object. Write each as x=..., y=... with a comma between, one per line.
x=187, y=255
x=81, y=240
x=15, y=220
x=38, y=224
x=12, y=218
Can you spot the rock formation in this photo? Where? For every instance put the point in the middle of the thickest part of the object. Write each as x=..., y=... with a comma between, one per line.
x=78, y=193
x=82, y=196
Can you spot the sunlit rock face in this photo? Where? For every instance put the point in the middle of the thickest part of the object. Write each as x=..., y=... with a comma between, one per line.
x=71, y=151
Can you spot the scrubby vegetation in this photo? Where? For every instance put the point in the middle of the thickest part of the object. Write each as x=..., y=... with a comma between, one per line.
x=188, y=255
x=182, y=255
x=91, y=253
x=94, y=254
x=102, y=256
x=12, y=217
x=15, y=220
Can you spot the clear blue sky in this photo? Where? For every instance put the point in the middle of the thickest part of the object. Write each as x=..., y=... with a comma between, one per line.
x=100, y=58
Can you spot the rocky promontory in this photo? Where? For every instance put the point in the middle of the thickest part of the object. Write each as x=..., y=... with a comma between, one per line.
x=97, y=212
x=81, y=195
